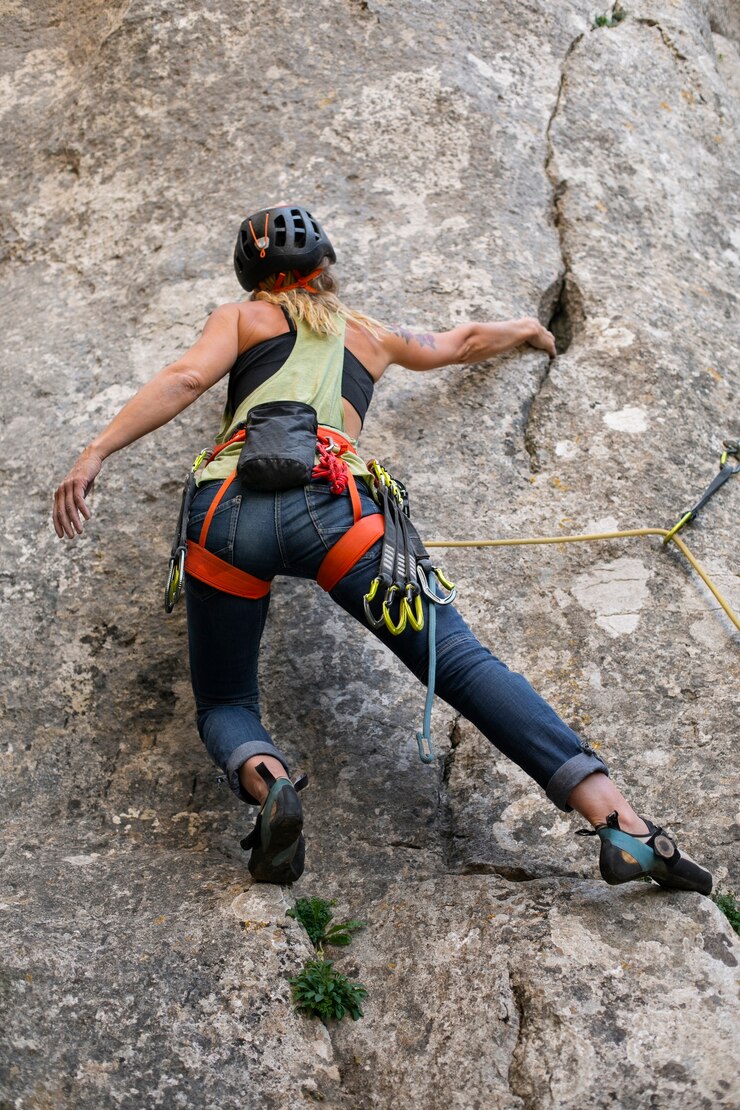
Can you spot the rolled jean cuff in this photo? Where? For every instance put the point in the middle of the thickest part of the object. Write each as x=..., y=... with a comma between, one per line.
x=567, y=777
x=240, y=755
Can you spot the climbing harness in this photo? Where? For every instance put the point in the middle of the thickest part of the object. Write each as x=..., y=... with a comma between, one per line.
x=405, y=570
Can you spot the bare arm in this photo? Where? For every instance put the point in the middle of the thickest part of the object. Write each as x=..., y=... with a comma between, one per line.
x=167, y=394
x=466, y=343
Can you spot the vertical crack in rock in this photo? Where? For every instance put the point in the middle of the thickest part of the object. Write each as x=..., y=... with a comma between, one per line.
x=561, y=303
x=518, y=1085
x=444, y=820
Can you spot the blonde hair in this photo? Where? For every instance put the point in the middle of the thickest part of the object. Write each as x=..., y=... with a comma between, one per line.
x=319, y=311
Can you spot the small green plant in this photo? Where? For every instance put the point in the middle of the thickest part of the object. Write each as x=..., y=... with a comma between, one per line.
x=315, y=916
x=612, y=20
x=318, y=989
x=730, y=907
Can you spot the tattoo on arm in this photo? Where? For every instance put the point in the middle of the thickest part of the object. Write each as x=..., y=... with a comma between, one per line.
x=423, y=338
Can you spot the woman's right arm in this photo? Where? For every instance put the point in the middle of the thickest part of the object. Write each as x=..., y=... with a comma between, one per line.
x=466, y=343
x=167, y=394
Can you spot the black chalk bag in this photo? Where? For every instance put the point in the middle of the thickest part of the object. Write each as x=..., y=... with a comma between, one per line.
x=280, y=446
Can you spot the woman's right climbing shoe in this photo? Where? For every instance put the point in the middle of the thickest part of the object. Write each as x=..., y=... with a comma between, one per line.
x=654, y=855
x=277, y=843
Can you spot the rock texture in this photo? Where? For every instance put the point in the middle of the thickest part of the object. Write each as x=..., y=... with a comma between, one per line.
x=472, y=160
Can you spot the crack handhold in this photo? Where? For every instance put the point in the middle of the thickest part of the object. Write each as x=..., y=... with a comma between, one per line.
x=667, y=40
x=567, y=316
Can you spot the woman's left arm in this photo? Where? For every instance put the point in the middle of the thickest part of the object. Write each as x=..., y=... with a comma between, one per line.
x=167, y=394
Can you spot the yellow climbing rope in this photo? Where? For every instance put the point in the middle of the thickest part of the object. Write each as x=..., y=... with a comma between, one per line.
x=668, y=537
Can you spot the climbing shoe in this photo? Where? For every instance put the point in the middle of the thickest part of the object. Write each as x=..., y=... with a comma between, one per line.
x=653, y=855
x=276, y=841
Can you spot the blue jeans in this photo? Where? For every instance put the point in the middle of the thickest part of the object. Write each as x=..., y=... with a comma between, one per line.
x=289, y=532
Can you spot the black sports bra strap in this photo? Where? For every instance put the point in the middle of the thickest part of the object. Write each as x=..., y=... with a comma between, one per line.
x=288, y=317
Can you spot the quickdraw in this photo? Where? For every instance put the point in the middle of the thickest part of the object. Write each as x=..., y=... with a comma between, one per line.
x=405, y=574
x=731, y=449
x=405, y=566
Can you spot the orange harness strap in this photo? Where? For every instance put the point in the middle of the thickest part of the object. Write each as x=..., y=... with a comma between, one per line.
x=212, y=509
x=340, y=558
x=208, y=568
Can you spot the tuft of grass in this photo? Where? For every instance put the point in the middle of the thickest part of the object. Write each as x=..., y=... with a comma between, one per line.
x=321, y=991
x=610, y=20
x=315, y=916
x=727, y=902
x=318, y=989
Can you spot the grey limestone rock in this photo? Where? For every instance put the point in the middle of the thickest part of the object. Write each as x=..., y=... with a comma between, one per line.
x=471, y=160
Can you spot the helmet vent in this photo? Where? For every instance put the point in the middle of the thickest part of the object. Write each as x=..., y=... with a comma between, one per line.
x=299, y=227
x=279, y=231
x=246, y=245
x=315, y=227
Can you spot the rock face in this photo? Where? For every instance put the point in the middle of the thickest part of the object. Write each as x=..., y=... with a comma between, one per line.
x=477, y=160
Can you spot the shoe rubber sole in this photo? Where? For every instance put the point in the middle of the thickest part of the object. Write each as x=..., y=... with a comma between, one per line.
x=279, y=854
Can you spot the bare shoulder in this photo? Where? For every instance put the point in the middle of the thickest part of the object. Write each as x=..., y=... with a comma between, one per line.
x=368, y=348
x=256, y=321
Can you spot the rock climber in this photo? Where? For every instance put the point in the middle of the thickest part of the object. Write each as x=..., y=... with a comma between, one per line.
x=293, y=353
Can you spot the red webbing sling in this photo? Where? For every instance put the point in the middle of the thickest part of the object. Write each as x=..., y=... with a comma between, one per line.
x=339, y=559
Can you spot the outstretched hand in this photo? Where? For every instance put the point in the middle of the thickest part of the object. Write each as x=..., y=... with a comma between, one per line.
x=70, y=507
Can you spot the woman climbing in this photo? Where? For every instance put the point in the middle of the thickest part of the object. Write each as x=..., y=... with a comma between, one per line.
x=301, y=370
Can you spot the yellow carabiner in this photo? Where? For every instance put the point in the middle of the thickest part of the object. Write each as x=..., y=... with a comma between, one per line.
x=676, y=528
x=370, y=595
x=449, y=586
x=175, y=579
x=372, y=620
x=394, y=629
x=199, y=459
x=415, y=616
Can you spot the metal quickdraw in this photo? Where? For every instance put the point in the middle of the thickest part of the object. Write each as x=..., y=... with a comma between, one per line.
x=406, y=575
x=176, y=575
x=725, y=472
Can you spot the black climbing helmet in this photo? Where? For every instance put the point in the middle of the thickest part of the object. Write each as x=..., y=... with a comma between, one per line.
x=278, y=239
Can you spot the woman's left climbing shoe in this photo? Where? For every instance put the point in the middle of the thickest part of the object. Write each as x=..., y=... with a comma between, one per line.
x=655, y=855
x=277, y=843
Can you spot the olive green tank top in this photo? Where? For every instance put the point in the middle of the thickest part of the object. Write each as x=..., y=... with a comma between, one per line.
x=312, y=373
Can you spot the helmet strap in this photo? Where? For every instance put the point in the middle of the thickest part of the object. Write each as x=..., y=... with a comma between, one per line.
x=301, y=282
